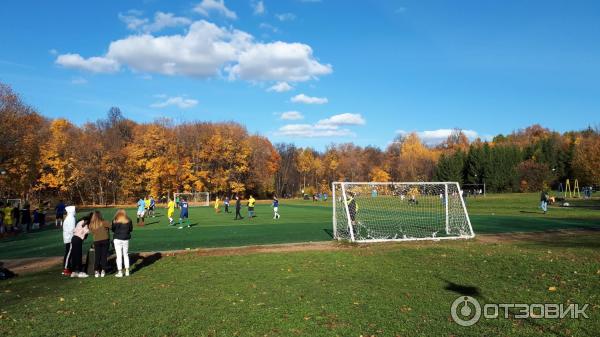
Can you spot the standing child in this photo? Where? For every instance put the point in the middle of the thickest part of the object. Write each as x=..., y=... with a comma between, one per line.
x=8, y=218
x=152, y=206
x=238, y=208
x=122, y=228
x=183, y=214
x=68, y=228
x=226, y=203
x=217, y=204
x=99, y=228
x=141, y=211
x=275, y=207
x=79, y=234
x=171, y=211
x=60, y=213
x=251, y=203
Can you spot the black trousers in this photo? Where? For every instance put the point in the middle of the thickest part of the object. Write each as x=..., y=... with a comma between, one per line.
x=76, y=253
x=101, y=260
x=237, y=213
x=226, y=208
x=68, y=259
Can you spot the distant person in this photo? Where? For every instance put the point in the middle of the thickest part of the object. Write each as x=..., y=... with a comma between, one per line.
x=152, y=206
x=251, y=202
x=147, y=205
x=544, y=201
x=26, y=217
x=238, y=208
x=226, y=204
x=122, y=228
x=217, y=204
x=171, y=211
x=100, y=233
x=79, y=235
x=60, y=214
x=184, y=216
x=68, y=227
x=275, y=208
x=8, y=219
x=141, y=211
x=352, y=210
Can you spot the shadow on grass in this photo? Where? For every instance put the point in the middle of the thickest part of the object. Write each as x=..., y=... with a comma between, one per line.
x=328, y=231
x=464, y=290
x=140, y=262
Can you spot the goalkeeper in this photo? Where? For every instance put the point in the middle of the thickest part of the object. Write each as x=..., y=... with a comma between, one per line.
x=352, y=210
x=171, y=211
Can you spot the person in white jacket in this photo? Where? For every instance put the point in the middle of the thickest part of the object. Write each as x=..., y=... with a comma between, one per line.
x=68, y=227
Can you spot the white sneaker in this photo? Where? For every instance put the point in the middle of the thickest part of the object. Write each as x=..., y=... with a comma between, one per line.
x=126, y=272
x=102, y=274
x=119, y=274
x=74, y=274
x=179, y=227
x=96, y=274
x=82, y=275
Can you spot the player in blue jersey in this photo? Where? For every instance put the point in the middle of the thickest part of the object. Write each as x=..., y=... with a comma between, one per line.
x=183, y=213
x=275, y=208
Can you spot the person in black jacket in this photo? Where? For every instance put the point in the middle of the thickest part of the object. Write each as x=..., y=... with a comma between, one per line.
x=238, y=207
x=122, y=228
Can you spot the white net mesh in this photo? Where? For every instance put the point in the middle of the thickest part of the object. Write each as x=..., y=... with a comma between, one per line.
x=194, y=198
x=366, y=212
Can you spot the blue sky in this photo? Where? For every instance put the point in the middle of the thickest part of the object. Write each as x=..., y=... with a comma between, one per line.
x=311, y=72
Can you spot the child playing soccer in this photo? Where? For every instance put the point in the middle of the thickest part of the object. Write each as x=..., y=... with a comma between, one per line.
x=171, y=211
x=183, y=214
x=141, y=211
x=217, y=204
x=275, y=207
x=251, y=203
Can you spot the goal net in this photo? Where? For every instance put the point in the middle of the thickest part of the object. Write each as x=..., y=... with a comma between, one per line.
x=194, y=198
x=14, y=203
x=372, y=212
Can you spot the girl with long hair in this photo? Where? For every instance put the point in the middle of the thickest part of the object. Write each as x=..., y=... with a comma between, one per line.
x=122, y=228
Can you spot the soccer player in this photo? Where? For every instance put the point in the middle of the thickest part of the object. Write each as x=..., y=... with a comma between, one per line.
x=352, y=209
x=141, y=211
x=251, y=203
x=171, y=211
x=238, y=207
x=147, y=204
x=217, y=204
x=183, y=214
x=60, y=213
x=275, y=207
x=152, y=206
x=226, y=204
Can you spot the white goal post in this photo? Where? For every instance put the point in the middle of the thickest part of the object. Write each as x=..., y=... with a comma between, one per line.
x=399, y=211
x=194, y=198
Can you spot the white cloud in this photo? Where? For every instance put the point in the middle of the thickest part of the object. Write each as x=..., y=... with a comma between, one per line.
x=302, y=98
x=264, y=25
x=342, y=119
x=94, y=64
x=280, y=87
x=329, y=127
x=285, y=16
x=310, y=131
x=78, y=80
x=259, y=7
x=178, y=101
x=207, y=6
x=291, y=115
x=436, y=137
x=161, y=21
x=278, y=61
x=206, y=50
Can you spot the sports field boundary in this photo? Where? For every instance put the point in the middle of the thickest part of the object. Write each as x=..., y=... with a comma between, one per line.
x=34, y=264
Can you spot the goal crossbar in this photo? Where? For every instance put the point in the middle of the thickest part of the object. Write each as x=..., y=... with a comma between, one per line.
x=399, y=211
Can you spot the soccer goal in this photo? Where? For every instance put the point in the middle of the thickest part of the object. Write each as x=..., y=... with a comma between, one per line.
x=14, y=202
x=375, y=212
x=194, y=198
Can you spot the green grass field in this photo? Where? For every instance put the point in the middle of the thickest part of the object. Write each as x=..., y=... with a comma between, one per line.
x=394, y=289
x=305, y=221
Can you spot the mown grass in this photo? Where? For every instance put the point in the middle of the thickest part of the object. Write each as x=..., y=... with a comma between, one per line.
x=303, y=221
x=376, y=290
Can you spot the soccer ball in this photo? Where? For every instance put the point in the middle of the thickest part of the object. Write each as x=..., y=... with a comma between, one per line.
x=566, y=204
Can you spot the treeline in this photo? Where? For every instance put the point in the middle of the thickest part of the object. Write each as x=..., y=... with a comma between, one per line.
x=116, y=160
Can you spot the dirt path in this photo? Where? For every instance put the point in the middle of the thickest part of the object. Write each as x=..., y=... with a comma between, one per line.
x=28, y=265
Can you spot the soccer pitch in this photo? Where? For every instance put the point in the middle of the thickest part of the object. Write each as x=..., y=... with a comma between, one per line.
x=303, y=221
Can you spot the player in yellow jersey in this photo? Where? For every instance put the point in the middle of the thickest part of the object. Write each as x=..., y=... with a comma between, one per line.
x=171, y=211
x=217, y=205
